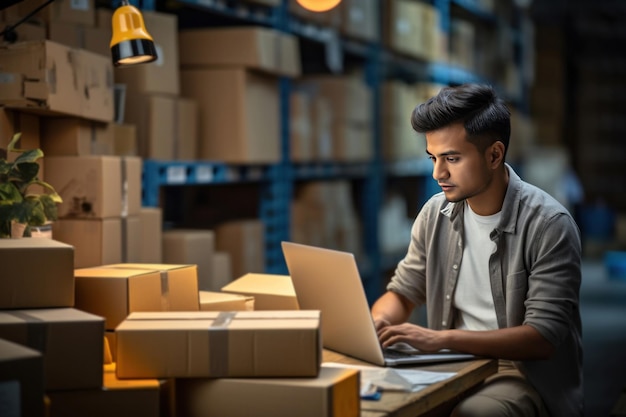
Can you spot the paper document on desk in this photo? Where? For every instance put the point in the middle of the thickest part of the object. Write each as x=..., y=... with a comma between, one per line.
x=394, y=379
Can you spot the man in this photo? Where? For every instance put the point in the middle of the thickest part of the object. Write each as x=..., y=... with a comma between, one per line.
x=495, y=260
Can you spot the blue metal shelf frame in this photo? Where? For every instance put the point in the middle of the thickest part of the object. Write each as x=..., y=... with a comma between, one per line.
x=277, y=180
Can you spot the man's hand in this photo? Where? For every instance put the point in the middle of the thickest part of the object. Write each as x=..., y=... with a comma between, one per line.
x=421, y=338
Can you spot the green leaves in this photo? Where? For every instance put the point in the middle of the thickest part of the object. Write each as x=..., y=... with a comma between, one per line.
x=18, y=202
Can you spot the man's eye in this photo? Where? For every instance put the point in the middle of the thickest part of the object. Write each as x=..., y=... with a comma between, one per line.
x=452, y=159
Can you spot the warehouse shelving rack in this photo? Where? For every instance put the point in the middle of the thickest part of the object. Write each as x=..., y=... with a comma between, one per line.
x=277, y=181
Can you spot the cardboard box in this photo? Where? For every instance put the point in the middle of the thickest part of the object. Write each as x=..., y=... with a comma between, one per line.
x=96, y=187
x=244, y=241
x=132, y=167
x=21, y=380
x=412, y=28
x=239, y=105
x=161, y=76
x=131, y=239
x=192, y=246
x=96, y=242
x=90, y=186
x=360, y=19
x=119, y=398
x=52, y=78
x=36, y=272
x=70, y=341
x=115, y=291
x=73, y=136
x=349, y=98
x=151, y=224
x=270, y=292
x=12, y=122
x=219, y=301
x=222, y=269
x=125, y=140
x=78, y=35
x=335, y=392
x=167, y=126
x=258, y=48
x=219, y=344
x=70, y=11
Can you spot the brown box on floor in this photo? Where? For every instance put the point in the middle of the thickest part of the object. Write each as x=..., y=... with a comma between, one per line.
x=335, y=392
x=115, y=291
x=219, y=344
x=270, y=292
x=36, y=272
x=69, y=339
x=21, y=379
x=237, y=104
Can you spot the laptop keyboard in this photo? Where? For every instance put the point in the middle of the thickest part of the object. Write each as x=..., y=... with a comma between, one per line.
x=396, y=354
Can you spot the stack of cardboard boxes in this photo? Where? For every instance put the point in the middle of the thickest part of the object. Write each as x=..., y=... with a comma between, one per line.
x=136, y=339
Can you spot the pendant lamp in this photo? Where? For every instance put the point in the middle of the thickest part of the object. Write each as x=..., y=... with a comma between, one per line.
x=131, y=43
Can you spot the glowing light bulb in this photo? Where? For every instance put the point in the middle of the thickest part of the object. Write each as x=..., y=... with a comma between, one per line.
x=318, y=5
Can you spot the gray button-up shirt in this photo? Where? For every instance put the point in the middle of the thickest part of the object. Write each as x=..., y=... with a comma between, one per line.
x=535, y=280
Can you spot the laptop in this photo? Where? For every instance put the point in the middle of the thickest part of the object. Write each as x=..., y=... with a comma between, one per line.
x=329, y=281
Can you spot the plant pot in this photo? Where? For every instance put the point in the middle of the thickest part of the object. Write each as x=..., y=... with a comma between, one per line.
x=41, y=231
x=17, y=230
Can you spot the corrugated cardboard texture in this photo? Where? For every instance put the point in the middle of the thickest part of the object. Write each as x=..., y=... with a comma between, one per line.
x=36, y=272
x=334, y=393
x=91, y=186
x=239, y=105
x=114, y=292
x=97, y=242
x=219, y=344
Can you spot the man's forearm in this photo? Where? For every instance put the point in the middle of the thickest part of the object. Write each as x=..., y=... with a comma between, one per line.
x=514, y=343
x=392, y=308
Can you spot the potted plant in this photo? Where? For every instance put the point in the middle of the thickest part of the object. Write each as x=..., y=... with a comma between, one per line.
x=20, y=207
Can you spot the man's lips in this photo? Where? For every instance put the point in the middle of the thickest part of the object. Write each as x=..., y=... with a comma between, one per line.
x=446, y=187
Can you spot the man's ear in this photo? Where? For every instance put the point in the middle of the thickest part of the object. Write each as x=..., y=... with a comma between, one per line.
x=496, y=153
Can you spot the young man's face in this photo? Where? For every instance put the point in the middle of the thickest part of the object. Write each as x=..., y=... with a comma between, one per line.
x=459, y=168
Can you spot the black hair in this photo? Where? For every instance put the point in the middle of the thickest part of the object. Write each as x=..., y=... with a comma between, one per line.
x=485, y=116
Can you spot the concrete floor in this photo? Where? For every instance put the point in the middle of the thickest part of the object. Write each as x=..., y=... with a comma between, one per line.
x=603, y=311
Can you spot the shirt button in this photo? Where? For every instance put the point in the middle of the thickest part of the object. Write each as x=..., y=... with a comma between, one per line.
x=447, y=296
x=443, y=323
x=455, y=266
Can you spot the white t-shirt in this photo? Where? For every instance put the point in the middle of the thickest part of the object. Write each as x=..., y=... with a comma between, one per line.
x=472, y=298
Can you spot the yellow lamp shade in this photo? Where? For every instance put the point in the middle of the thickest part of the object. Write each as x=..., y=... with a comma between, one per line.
x=131, y=43
x=318, y=5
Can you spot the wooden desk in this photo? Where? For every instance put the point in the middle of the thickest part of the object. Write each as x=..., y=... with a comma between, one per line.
x=428, y=400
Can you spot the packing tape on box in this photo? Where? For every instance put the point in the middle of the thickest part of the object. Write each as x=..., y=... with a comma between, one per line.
x=165, y=291
x=218, y=341
x=36, y=330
